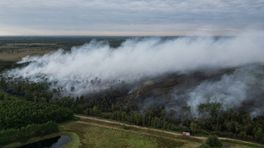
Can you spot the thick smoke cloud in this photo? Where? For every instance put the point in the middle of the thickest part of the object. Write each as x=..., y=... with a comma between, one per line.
x=96, y=66
x=240, y=88
x=245, y=84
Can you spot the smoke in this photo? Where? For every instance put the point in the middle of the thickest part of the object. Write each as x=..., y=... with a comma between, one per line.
x=242, y=89
x=96, y=66
x=232, y=91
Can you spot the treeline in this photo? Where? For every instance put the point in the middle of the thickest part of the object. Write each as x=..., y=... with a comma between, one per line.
x=230, y=123
x=23, y=133
x=6, y=65
x=37, y=92
x=211, y=119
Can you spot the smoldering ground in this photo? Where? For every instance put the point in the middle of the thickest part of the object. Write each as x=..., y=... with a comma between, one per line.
x=240, y=88
x=94, y=67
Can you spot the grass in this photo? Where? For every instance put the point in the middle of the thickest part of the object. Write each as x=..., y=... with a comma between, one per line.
x=114, y=138
x=75, y=140
x=102, y=136
x=93, y=132
x=240, y=144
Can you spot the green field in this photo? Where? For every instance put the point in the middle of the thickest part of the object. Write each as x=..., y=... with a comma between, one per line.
x=93, y=132
x=96, y=136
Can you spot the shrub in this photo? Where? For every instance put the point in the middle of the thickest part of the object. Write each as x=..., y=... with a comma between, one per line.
x=212, y=142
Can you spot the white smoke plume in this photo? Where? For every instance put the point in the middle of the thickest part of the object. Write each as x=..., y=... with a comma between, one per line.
x=96, y=66
x=232, y=91
x=240, y=88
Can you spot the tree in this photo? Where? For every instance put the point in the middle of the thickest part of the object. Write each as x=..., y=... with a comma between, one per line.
x=259, y=134
x=194, y=127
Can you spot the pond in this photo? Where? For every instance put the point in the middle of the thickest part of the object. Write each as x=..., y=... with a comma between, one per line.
x=55, y=142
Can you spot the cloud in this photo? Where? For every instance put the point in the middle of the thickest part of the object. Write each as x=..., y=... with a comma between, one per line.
x=132, y=16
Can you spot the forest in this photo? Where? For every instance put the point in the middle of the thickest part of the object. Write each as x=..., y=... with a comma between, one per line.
x=43, y=105
x=21, y=119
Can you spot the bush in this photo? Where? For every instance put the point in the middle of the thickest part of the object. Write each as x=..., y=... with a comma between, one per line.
x=212, y=142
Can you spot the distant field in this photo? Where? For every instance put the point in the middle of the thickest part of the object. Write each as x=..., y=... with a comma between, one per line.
x=99, y=133
x=18, y=55
x=14, y=48
x=15, y=51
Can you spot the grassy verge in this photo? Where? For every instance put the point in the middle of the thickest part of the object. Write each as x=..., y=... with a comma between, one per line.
x=75, y=140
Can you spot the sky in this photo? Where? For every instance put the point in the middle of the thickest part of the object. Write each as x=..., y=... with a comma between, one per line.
x=129, y=17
